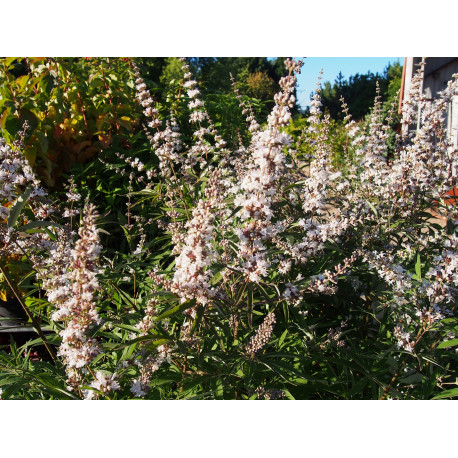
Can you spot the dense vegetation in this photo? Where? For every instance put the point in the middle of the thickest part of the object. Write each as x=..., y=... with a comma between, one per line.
x=163, y=243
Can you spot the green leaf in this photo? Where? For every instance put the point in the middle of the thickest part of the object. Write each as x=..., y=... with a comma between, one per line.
x=35, y=224
x=22, y=81
x=16, y=209
x=152, y=343
x=179, y=308
x=127, y=327
x=43, y=139
x=12, y=126
x=163, y=381
x=282, y=338
x=448, y=343
x=32, y=120
x=179, y=210
x=9, y=379
x=412, y=379
x=14, y=388
x=288, y=394
x=197, y=320
x=250, y=306
x=283, y=369
x=49, y=382
x=447, y=394
x=372, y=208
x=3, y=117
x=10, y=60
x=418, y=267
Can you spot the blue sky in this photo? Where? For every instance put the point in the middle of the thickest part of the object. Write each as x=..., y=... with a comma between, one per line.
x=332, y=66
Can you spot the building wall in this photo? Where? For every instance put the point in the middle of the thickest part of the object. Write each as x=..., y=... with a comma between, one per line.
x=438, y=71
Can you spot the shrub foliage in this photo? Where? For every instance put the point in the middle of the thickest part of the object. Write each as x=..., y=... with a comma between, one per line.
x=185, y=265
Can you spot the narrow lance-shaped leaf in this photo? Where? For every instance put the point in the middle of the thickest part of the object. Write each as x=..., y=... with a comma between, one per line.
x=16, y=209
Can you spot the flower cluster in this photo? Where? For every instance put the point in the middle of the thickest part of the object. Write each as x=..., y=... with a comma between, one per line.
x=145, y=100
x=260, y=181
x=326, y=283
x=76, y=298
x=103, y=384
x=148, y=365
x=262, y=336
x=17, y=183
x=191, y=278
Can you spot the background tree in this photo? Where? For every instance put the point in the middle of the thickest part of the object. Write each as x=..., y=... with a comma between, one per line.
x=359, y=91
x=256, y=77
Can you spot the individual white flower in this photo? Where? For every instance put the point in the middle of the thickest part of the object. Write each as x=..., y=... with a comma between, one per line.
x=137, y=389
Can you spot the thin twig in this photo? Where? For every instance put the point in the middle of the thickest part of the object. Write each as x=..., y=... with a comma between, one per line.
x=29, y=314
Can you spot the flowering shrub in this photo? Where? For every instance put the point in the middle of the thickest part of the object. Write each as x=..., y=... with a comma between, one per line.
x=248, y=272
